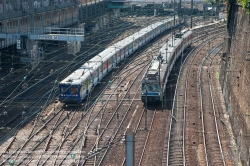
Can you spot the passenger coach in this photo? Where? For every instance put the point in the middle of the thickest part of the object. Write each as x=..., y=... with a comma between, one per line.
x=155, y=79
x=75, y=87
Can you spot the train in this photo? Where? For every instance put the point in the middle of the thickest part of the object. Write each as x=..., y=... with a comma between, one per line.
x=153, y=83
x=75, y=87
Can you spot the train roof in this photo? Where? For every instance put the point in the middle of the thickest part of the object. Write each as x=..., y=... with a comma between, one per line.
x=79, y=75
x=153, y=69
x=169, y=47
x=83, y=72
x=140, y=33
x=102, y=56
x=187, y=33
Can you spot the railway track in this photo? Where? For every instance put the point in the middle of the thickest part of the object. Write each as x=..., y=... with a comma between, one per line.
x=30, y=105
x=110, y=158
x=176, y=141
x=89, y=127
x=94, y=132
x=122, y=102
x=211, y=135
x=45, y=142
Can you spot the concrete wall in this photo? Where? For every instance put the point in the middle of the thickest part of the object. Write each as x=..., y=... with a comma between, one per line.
x=235, y=78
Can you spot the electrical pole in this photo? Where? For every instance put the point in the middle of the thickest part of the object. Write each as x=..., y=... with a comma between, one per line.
x=174, y=13
x=203, y=15
x=179, y=9
x=146, y=108
x=192, y=3
x=161, y=90
x=130, y=148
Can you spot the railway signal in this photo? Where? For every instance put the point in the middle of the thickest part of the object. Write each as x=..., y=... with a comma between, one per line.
x=73, y=155
x=18, y=44
x=12, y=162
x=23, y=115
x=109, y=83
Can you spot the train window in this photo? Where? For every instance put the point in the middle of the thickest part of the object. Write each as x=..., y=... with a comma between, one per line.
x=136, y=43
x=155, y=87
x=83, y=87
x=87, y=83
x=64, y=90
x=123, y=52
x=73, y=90
x=144, y=87
x=151, y=87
x=95, y=73
x=120, y=54
x=101, y=69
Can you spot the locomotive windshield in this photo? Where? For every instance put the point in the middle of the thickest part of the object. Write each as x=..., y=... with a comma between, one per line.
x=74, y=90
x=64, y=90
x=153, y=87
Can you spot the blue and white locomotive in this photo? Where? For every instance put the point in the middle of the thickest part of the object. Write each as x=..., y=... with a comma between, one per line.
x=155, y=79
x=75, y=87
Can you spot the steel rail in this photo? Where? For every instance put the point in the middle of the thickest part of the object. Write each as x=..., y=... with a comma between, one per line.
x=115, y=113
x=14, y=117
x=215, y=117
x=115, y=134
x=155, y=49
x=52, y=130
x=121, y=72
x=110, y=95
x=21, y=77
x=71, y=147
x=174, y=101
x=146, y=141
x=212, y=102
x=54, y=57
x=31, y=136
x=50, y=137
x=172, y=110
x=57, y=123
x=14, y=136
x=64, y=138
x=135, y=132
x=17, y=115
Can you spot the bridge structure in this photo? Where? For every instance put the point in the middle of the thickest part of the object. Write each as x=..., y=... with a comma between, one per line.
x=46, y=33
x=26, y=26
x=121, y=4
x=29, y=39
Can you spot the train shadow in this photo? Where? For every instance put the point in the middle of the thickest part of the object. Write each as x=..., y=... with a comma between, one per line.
x=172, y=80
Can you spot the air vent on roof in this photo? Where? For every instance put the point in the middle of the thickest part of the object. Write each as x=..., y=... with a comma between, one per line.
x=69, y=80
